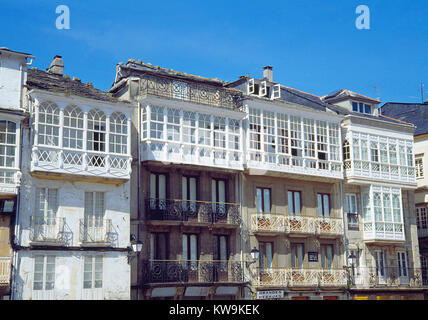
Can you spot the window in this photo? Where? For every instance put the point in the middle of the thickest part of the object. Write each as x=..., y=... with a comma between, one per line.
x=323, y=205
x=156, y=122
x=297, y=255
x=361, y=107
x=421, y=217
x=327, y=256
x=44, y=272
x=269, y=131
x=189, y=193
x=46, y=206
x=219, y=132
x=190, y=251
x=322, y=140
x=173, y=125
x=221, y=252
x=96, y=130
x=218, y=195
x=204, y=129
x=93, y=272
x=118, y=137
x=234, y=134
x=265, y=256
x=158, y=191
x=255, y=129
x=380, y=265
x=294, y=203
x=402, y=264
x=94, y=209
x=189, y=127
x=263, y=202
x=179, y=90
x=309, y=137
x=48, y=126
x=73, y=128
x=351, y=210
x=346, y=151
x=374, y=151
x=419, y=167
x=7, y=144
x=282, y=125
x=296, y=136
x=158, y=246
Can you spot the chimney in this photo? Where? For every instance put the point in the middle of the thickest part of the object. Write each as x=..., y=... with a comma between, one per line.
x=57, y=66
x=268, y=73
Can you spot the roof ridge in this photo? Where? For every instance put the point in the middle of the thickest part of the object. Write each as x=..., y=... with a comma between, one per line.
x=398, y=120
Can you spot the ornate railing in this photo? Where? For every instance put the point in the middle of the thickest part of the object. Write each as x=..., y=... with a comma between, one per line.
x=373, y=169
x=268, y=222
x=191, y=91
x=96, y=231
x=47, y=230
x=293, y=277
x=298, y=165
x=160, y=150
x=366, y=277
x=197, y=271
x=4, y=271
x=193, y=211
x=383, y=231
x=80, y=162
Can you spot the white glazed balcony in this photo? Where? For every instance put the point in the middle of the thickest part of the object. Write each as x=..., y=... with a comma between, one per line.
x=291, y=164
x=376, y=170
x=186, y=153
x=380, y=231
x=99, y=164
x=304, y=277
x=10, y=179
x=278, y=223
x=4, y=271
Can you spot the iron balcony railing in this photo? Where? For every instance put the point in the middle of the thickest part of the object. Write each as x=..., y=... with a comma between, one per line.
x=96, y=231
x=5, y=271
x=191, y=91
x=367, y=277
x=192, y=271
x=47, y=230
x=193, y=211
x=268, y=222
x=299, y=277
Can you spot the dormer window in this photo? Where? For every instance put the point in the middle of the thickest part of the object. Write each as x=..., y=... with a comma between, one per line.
x=361, y=107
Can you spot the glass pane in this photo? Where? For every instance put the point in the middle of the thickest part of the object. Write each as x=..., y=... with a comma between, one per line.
x=290, y=203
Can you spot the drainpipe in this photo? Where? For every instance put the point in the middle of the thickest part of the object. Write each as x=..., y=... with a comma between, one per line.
x=138, y=197
x=240, y=230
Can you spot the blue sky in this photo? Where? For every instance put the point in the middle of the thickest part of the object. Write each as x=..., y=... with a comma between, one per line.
x=313, y=45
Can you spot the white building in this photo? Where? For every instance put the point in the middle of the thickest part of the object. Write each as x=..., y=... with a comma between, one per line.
x=73, y=216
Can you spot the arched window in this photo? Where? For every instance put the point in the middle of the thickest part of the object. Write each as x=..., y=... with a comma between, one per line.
x=118, y=133
x=7, y=143
x=48, y=126
x=73, y=128
x=96, y=130
x=346, y=151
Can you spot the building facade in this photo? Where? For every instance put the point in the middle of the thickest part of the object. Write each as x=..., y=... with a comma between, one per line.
x=416, y=113
x=186, y=200
x=72, y=234
x=13, y=66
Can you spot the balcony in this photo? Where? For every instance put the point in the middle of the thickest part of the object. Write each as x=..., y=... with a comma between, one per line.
x=387, y=277
x=96, y=164
x=383, y=231
x=47, y=231
x=192, y=271
x=292, y=277
x=276, y=223
x=197, y=212
x=185, y=153
x=10, y=179
x=96, y=232
x=191, y=91
x=5, y=271
x=376, y=170
x=296, y=165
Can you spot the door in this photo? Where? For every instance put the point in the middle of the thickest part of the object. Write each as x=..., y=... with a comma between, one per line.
x=263, y=202
x=380, y=267
x=45, y=224
x=189, y=196
x=220, y=255
x=158, y=203
x=159, y=265
x=94, y=224
x=265, y=257
x=190, y=258
x=403, y=270
x=297, y=256
x=92, y=277
x=218, y=198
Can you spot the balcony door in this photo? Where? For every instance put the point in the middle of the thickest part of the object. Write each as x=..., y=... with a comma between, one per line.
x=45, y=222
x=189, y=195
x=94, y=224
x=220, y=257
x=380, y=267
x=263, y=196
x=218, y=197
x=190, y=257
x=159, y=266
x=403, y=268
x=297, y=257
x=158, y=193
x=327, y=256
x=265, y=257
